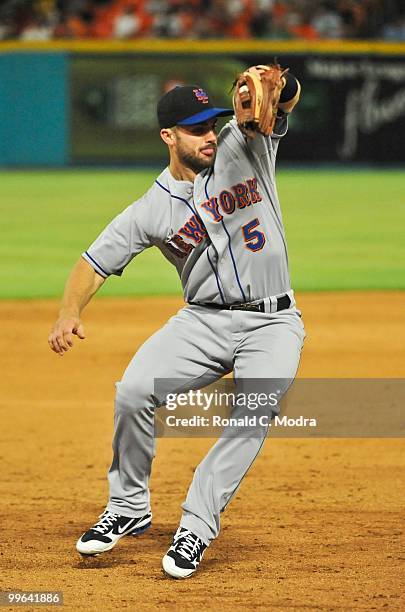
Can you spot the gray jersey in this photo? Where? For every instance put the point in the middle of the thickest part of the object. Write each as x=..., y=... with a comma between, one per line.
x=224, y=232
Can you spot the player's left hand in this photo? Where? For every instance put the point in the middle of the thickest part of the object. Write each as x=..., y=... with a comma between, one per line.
x=256, y=97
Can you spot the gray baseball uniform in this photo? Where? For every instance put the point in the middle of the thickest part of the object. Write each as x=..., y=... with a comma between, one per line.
x=224, y=233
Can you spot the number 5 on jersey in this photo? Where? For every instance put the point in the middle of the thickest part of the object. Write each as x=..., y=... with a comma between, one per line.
x=254, y=239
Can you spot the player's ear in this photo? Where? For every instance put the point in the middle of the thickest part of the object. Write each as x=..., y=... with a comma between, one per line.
x=168, y=136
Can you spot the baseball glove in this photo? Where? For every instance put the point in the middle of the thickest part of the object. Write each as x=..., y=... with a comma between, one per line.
x=256, y=96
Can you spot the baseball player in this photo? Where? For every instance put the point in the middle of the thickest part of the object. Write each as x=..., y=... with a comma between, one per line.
x=215, y=215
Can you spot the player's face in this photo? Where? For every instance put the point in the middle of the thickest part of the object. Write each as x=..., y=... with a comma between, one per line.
x=196, y=145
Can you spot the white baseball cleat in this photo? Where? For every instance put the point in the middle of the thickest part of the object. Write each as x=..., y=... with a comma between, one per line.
x=184, y=555
x=111, y=527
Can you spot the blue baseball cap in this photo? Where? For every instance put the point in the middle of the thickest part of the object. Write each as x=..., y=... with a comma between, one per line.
x=187, y=105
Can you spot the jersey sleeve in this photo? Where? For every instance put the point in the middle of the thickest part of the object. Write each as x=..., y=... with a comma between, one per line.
x=262, y=145
x=123, y=239
x=259, y=152
x=281, y=126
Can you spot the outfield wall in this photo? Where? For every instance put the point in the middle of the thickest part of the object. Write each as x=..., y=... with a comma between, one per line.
x=34, y=100
x=92, y=102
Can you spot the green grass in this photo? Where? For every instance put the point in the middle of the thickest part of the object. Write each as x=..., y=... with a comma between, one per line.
x=345, y=229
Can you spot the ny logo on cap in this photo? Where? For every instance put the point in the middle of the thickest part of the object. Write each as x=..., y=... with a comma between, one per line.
x=201, y=95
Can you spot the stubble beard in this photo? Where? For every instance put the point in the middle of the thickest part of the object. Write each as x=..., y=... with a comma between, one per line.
x=194, y=163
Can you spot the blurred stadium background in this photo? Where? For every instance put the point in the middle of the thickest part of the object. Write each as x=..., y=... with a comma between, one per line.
x=79, y=141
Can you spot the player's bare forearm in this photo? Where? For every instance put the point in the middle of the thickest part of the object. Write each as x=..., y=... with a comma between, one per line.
x=82, y=284
x=287, y=105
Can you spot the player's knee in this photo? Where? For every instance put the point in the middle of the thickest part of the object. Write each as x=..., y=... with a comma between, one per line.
x=132, y=396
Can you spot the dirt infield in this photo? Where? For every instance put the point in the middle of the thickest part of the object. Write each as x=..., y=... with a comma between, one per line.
x=316, y=524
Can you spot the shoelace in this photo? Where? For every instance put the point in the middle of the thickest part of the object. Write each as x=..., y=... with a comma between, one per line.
x=107, y=521
x=187, y=545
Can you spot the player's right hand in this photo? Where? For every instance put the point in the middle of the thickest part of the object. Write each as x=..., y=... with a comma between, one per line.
x=60, y=339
